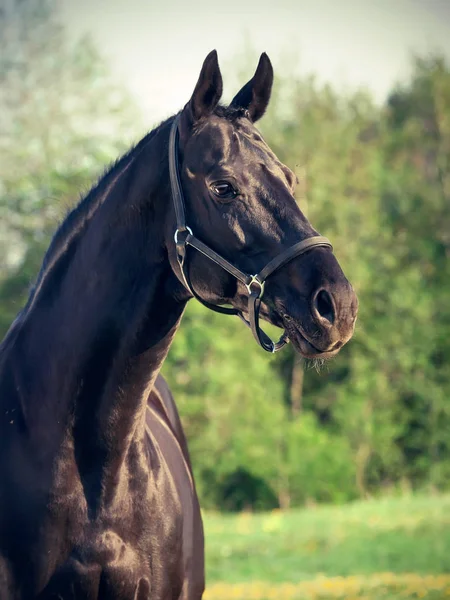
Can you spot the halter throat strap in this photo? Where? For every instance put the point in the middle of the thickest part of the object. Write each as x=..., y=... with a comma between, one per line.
x=184, y=237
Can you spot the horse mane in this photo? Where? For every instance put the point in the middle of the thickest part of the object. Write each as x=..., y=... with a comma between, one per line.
x=230, y=113
x=77, y=218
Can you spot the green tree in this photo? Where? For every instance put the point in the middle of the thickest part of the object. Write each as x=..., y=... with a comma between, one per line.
x=62, y=119
x=416, y=200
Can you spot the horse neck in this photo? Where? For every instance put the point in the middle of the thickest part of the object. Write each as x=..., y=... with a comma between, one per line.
x=86, y=350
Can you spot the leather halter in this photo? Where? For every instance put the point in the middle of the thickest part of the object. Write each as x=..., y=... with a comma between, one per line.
x=254, y=283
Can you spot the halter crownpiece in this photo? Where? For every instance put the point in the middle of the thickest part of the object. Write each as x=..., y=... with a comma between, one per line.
x=254, y=283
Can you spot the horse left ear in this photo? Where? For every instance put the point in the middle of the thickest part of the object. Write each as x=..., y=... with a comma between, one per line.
x=255, y=95
x=208, y=90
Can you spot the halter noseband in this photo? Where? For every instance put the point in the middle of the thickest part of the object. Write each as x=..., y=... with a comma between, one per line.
x=254, y=283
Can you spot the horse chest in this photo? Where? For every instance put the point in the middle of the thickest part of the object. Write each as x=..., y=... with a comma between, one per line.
x=132, y=549
x=110, y=567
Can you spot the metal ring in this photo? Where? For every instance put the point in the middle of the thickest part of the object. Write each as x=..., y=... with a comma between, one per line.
x=254, y=279
x=179, y=230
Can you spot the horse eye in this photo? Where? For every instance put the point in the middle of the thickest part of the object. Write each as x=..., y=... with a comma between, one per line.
x=223, y=189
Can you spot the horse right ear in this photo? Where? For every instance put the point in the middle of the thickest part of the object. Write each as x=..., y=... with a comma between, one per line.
x=255, y=95
x=208, y=90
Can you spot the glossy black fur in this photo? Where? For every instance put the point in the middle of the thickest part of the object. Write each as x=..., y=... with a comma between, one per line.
x=97, y=498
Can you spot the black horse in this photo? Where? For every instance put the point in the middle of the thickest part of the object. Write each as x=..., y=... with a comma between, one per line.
x=97, y=498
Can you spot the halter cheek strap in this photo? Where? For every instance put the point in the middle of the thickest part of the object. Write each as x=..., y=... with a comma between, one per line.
x=254, y=283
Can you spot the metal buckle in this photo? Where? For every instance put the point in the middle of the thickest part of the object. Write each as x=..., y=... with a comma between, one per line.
x=181, y=230
x=254, y=279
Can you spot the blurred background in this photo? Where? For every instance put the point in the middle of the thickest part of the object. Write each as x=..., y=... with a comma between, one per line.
x=330, y=484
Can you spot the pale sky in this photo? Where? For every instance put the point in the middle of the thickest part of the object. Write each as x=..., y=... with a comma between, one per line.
x=156, y=48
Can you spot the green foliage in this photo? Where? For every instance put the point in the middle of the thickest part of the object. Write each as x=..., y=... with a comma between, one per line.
x=231, y=421
x=319, y=463
x=264, y=431
x=61, y=121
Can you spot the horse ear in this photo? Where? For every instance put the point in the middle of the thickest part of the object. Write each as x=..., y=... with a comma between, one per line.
x=208, y=90
x=255, y=95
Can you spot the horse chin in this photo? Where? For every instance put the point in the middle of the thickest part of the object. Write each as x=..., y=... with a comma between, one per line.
x=297, y=338
x=302, y=345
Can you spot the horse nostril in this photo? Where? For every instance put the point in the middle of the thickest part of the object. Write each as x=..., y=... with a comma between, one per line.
x=323, y=306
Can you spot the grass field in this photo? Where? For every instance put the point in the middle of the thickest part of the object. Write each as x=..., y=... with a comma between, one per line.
x=375, y=550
